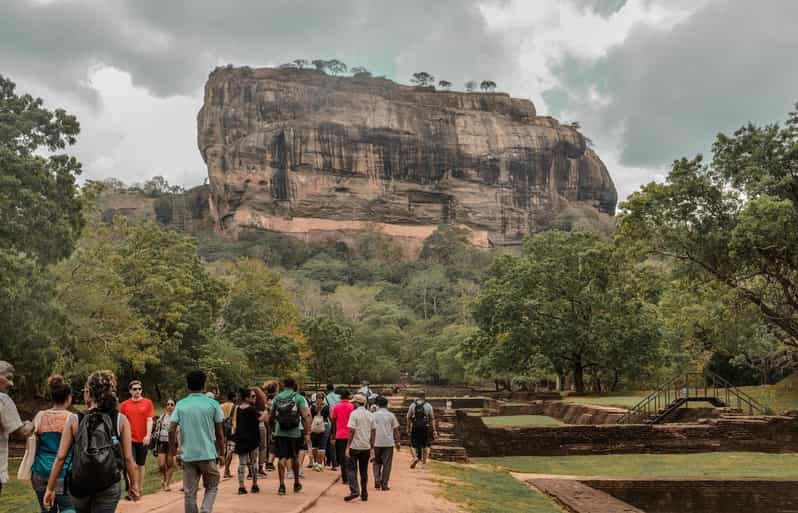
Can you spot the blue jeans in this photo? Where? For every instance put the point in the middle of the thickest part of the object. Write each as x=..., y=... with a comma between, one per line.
x=102, y=502
x=63, y=502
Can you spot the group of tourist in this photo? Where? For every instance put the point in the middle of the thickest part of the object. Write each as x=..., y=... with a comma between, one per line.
x=81, y=459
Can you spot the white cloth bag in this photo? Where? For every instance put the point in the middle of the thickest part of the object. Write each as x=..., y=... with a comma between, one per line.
x=24, y=471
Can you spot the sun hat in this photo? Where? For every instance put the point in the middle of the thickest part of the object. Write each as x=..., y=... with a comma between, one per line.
x=359, y=398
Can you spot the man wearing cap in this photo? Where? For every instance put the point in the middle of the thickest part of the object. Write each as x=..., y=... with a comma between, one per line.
x=359, y=448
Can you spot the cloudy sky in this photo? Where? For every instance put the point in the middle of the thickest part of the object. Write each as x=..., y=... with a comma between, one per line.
x=649, y=80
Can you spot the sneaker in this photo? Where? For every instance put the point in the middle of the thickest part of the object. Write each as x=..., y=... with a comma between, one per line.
x=255, y=489
x=281, y=490
x=242, y=490
x=289, y=474
x=318, y=468
x=301, y=473
x=377, y=486
x=415, y=462
x=270, y=466
x=351, y=497
x=385, y=488
x=297, y=487
x=364, y=496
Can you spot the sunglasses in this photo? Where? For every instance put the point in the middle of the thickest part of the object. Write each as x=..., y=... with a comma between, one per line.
x=137, y=389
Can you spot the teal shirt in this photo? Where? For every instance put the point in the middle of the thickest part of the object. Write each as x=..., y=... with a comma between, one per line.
x=197, y=415
x=332, y=399
x=301, y=404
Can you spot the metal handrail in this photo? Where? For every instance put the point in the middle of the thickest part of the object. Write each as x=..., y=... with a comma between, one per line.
x=680, y=389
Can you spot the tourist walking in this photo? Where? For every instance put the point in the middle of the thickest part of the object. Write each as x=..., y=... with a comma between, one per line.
x=166, y=464
x=139, y=412
x=340, y=417
x=387, y=437
x=49, y=427
x=228, y=410
x=270, y=387
x=289, y=409
x=421, y=428
x=319, y=430
x=98, y=440
x=202, y=444
x=331, y=400
x=247, y=439
x=261, y=405
x=10, y=423
x=359, y=447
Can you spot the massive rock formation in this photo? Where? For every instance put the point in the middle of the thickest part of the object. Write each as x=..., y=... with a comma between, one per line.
x=311, y=155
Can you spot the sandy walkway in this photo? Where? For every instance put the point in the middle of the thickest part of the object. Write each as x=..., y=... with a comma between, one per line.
x=412, y=491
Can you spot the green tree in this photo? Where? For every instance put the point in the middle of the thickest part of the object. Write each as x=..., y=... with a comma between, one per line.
x=423, y=79
x=470, y=86
x=40, y=204
x=445, y=84
x=174, y=295
x=732, y=222
x=487, y=85
x=333, y=355
x=572, y=298
x=360, y=71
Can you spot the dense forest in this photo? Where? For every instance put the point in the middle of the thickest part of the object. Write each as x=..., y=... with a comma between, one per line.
x=702, y=271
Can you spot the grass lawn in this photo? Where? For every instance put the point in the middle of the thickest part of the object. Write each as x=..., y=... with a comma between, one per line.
x=489, y=491
x=521, y=420
x=781, y=397
x=627, y=400
x=18, y=497
x=716, y=464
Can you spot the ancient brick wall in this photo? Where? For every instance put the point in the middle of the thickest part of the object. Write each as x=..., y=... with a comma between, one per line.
x=701, y=496
x=777, y=434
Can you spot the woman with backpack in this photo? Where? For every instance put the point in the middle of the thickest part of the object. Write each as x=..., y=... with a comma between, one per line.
x=166, y=465
x=100, y=437
x=319, y=430
x=247, y=438
x=49, y=425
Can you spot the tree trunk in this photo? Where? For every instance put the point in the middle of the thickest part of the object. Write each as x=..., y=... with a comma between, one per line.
x=579, y=376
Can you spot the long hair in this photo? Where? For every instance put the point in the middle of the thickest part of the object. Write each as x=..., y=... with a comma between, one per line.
x=102, y=389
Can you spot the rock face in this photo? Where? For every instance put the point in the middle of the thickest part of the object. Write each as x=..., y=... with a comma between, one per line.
x=316, y=156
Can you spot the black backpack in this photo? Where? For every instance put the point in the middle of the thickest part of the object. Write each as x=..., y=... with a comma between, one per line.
x=419, y=415
x=97, y=455
x=287, y=412
x=228, y=424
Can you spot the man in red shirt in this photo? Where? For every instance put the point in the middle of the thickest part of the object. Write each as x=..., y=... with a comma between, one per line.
x=139, y=412
x=340, y=414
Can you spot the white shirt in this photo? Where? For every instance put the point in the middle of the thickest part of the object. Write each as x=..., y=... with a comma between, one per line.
x=361, y=423
x=9, y=422
x=386, y=423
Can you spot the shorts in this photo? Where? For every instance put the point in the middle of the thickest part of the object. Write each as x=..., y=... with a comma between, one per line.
x=140, y=453
x=419, y=437
x=287, y=448
x=163, y=448
x=319, y=440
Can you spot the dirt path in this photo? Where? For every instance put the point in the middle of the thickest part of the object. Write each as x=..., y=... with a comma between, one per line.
x=228, y=500
x=412, y=491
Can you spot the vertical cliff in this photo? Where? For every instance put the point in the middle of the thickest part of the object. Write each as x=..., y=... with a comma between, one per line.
x=315, y=156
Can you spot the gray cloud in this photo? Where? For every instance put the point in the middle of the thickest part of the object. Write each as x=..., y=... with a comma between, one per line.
x=169, y=47
x=671, y=91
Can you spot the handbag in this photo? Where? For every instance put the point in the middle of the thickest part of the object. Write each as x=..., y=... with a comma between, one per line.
x=24, y=471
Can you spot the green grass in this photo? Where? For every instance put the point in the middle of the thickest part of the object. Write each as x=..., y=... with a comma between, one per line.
x=521, y=420
x=18, y=496
x=489, y=491
x=716, y=464
x=627, y=400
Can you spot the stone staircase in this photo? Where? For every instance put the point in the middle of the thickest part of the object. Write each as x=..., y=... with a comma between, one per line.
x=448, y=446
